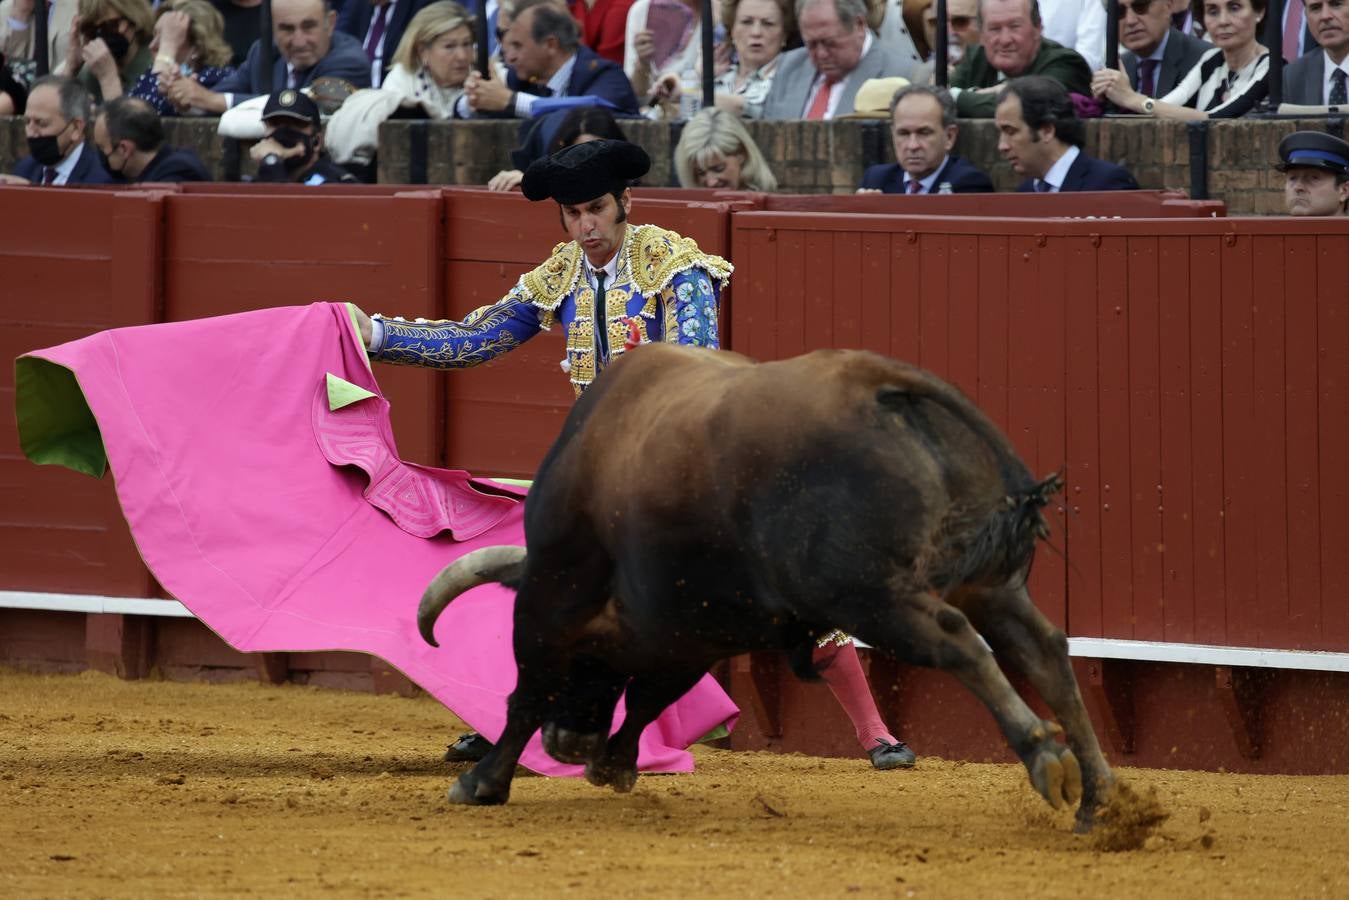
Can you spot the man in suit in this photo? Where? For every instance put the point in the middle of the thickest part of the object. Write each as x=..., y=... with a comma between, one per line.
x=820, y=80
x=924, y=129
x=308, y=47
x=1012, y=45
x=1157, y=55
x=545, y=58
x=58, y=108
x=1317, y=169
x=379, y=26
x=130, y=141
x=1040, y=134
x=1319, y=78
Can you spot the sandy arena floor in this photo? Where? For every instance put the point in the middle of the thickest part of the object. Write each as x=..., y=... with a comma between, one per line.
x=136, y=789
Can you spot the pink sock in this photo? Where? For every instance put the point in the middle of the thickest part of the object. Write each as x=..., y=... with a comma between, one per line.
x=842, y=671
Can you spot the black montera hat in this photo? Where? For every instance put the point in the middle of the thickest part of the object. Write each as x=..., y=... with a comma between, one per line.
x=292, y=104
x=1314, y=149
x=582, y=172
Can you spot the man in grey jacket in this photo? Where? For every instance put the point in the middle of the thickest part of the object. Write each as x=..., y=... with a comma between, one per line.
x=1318, y=78
x=820, y=80
x=1158, y=54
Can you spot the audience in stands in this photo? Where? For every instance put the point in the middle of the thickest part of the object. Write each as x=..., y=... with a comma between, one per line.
x=189, y=42
x=243, y=26
x=110, y=46
x=1317, y=169
x=308, y=48
x=54, y=122
x=1079, y=24
x=379, y=26
x=664, y=38
x=924, y=130
x=1228, y=81
x=1012, y=45
x=1040, y=134
x=759, y=30
x=429, y=69
x=1156, y=55
x=603, y=26
x=13, y=90
x=576, y=126
x=715, y=151
x=131, y=146
x=820, y=80
x=886, y=18
x=291, y=149
x=545, y=58
x=1319, y=78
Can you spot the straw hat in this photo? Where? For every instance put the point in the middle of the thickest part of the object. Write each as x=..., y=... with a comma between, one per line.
x=874, y=96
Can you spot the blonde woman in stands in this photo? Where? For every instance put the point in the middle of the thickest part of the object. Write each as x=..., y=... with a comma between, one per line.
x=715, y=151
x=189, y=42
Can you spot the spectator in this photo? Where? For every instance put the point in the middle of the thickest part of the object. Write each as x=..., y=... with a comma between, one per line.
x=1317, y=166
x=1228, y=81
x=308, y=48
x=1040, y=135
x=1012, y=45
x=759, y=32
x=924, y=130
x=243, y=26
x=58, y=109
x=886, y=18
x=1318, y=79
x=603, y=26
x=130, y=141
x=1157, y=55
x=189, y=42
x=17, y=36
x=427, y=79
x=715, y=151
x=291, y=149
x=820, y=80
x=545, y=58
x=577, y=126
x=651, y=56
x=109, y=46
x=1078, y=24
x=379, y=26
x=962, y=31
x=13, y=94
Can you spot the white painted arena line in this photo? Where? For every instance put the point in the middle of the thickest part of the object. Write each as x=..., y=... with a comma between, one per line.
x=1096, y=648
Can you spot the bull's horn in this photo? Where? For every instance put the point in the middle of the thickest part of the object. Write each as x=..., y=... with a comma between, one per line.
x=468, y=571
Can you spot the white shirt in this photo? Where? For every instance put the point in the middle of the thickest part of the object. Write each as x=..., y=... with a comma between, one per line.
x=66, y=166
x=927, y=181
x=1330, y=69
x=1079, y=25
x=837, y=88
x=1059, y=171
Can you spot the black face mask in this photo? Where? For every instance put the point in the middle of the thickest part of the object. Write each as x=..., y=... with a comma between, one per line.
x=45, y=149
x=117, y=43
x=107, y=166
x=292, y=137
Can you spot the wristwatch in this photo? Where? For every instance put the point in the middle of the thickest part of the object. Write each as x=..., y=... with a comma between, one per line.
x=1148, y=104
x=271, y=159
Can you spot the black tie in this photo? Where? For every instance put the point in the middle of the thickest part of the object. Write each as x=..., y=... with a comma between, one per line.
x=1337, y=89
x=601, y=329
x=1042, y=186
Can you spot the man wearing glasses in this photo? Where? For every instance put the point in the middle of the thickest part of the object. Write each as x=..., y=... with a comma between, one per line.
x=1157, y=53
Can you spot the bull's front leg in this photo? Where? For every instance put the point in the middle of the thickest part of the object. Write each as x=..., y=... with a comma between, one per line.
x=488, y=783
x=922, y=630
x=646, y=698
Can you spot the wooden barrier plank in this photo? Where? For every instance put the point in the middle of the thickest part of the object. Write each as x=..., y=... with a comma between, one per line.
x=1210, y=589
x=1145, y=467
x=991, y=348
x=1239, y=436
x=1333, y=329
x=909, y=284
x=818, y=320
x=847, y=300
x=965, y=302
x=1300, y=434
x=940, y=299
x=1174, y=423
x=878, y=294
x=1112, y=320
x=1083, y=440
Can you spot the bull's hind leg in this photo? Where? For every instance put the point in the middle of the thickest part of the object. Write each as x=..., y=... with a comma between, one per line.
x=923, y=630
x=1021, y=636
x=647, y=697
x=579, y=727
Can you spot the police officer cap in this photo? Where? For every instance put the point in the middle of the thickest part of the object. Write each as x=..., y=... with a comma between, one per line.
x=292, y=104
x=1314, y=149
x=582, y=172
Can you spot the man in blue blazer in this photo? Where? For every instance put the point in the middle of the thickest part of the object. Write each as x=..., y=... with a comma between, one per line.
x=308, y=47
x=1305, y=80
x=1040, y=134
x=924, y=129
x=378, y=43
x=130, y=140
x=545, y=58
x=54, y=124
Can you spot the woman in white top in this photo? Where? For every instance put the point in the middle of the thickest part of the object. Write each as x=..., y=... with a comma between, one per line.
x=430, y=66
x=1228, y=81
x=759, y=31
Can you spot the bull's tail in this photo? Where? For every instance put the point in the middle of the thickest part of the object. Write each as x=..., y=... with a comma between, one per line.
x=490, y=564
x=1000, y=545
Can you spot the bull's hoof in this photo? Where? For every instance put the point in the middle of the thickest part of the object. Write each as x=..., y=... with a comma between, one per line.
x=1057, y=776
x=573, y=747
x=621, y=779
x=472, y=791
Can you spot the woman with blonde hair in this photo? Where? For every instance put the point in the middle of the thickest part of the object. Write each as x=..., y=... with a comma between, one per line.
x=189, y=42
x=715, y=151
x=429, y=69
x=110, y=46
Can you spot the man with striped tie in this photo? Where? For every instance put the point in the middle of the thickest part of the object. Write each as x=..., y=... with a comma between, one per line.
x=54, y=121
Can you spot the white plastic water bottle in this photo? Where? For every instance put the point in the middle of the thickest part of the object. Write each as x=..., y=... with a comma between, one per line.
x=690, y=94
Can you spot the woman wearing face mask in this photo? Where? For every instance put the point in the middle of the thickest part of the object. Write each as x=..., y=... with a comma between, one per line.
x=110, y=46
x=189, y=42
x=1227, y=82
x=430, y=67
x=715, y=151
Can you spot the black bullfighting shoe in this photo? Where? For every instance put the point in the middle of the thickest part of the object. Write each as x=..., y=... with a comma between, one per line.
x=473, y=747
x=892, y=756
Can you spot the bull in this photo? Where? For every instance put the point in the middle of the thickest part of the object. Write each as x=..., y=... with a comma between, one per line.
x=699, y=505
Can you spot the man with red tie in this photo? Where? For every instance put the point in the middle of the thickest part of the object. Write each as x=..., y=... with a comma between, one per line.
x=924, y=130
x=54, y=122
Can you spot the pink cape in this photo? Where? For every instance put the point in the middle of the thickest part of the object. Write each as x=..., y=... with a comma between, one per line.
x=285, y=524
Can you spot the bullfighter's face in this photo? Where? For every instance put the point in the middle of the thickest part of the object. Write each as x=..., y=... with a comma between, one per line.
x=598, y=225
